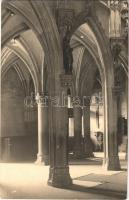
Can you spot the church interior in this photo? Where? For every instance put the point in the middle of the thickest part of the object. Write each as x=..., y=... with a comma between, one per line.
x=64, y=90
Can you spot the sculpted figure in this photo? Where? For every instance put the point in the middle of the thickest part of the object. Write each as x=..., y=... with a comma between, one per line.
x=67, y=54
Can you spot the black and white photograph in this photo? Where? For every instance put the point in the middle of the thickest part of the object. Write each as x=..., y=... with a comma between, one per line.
x=64, y=99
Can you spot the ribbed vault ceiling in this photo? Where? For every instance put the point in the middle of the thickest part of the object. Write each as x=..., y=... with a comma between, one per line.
x=86, y=59
x=26, y=48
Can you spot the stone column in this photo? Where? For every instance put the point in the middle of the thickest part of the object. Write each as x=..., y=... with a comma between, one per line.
x=111, y=158
x=43, y=130
x=88, y=146
x=59, y=169
x=7, y=150
x=126, y=156
x=115, y=20
x=77, y=112
x=0, y=148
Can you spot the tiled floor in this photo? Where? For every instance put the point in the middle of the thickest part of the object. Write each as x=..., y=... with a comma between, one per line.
x=90, y=181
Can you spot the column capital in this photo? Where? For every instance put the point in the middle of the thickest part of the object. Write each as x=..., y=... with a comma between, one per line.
x=42, y=99
x=77, y=104
x=87, y=101
x=115, y=5
x=116, y=40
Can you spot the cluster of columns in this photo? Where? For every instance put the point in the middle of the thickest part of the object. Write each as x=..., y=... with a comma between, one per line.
x=80, y=149
x=57, y=155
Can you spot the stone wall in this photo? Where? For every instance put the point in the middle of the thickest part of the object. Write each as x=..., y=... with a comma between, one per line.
x=12, y=105
x=19, y=138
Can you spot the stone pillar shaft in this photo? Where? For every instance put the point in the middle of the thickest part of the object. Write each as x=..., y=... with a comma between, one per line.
x=77, y=131
x=111, y=158
x=43, y=134
x=59, y=170
x=88, y=148
x=0, y=148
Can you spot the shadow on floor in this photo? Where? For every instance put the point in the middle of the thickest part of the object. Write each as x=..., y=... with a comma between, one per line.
x=114, y=178
x=100, y=191
x=9, y=193
x=86, y=161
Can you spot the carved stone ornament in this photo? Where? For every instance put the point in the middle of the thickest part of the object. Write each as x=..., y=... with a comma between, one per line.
x=66, y=80
x=42, y=99
x=124, y=16
x=67, y=54
x=115, y=5
x=64, y=20
x=116, y=47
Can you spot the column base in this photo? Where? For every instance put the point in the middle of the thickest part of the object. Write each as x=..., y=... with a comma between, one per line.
x=78, y=154
x=59, y=177
x=42, y=160
x=83, y=155
x=89, y=155
x=88, y=147
x=112, y=163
